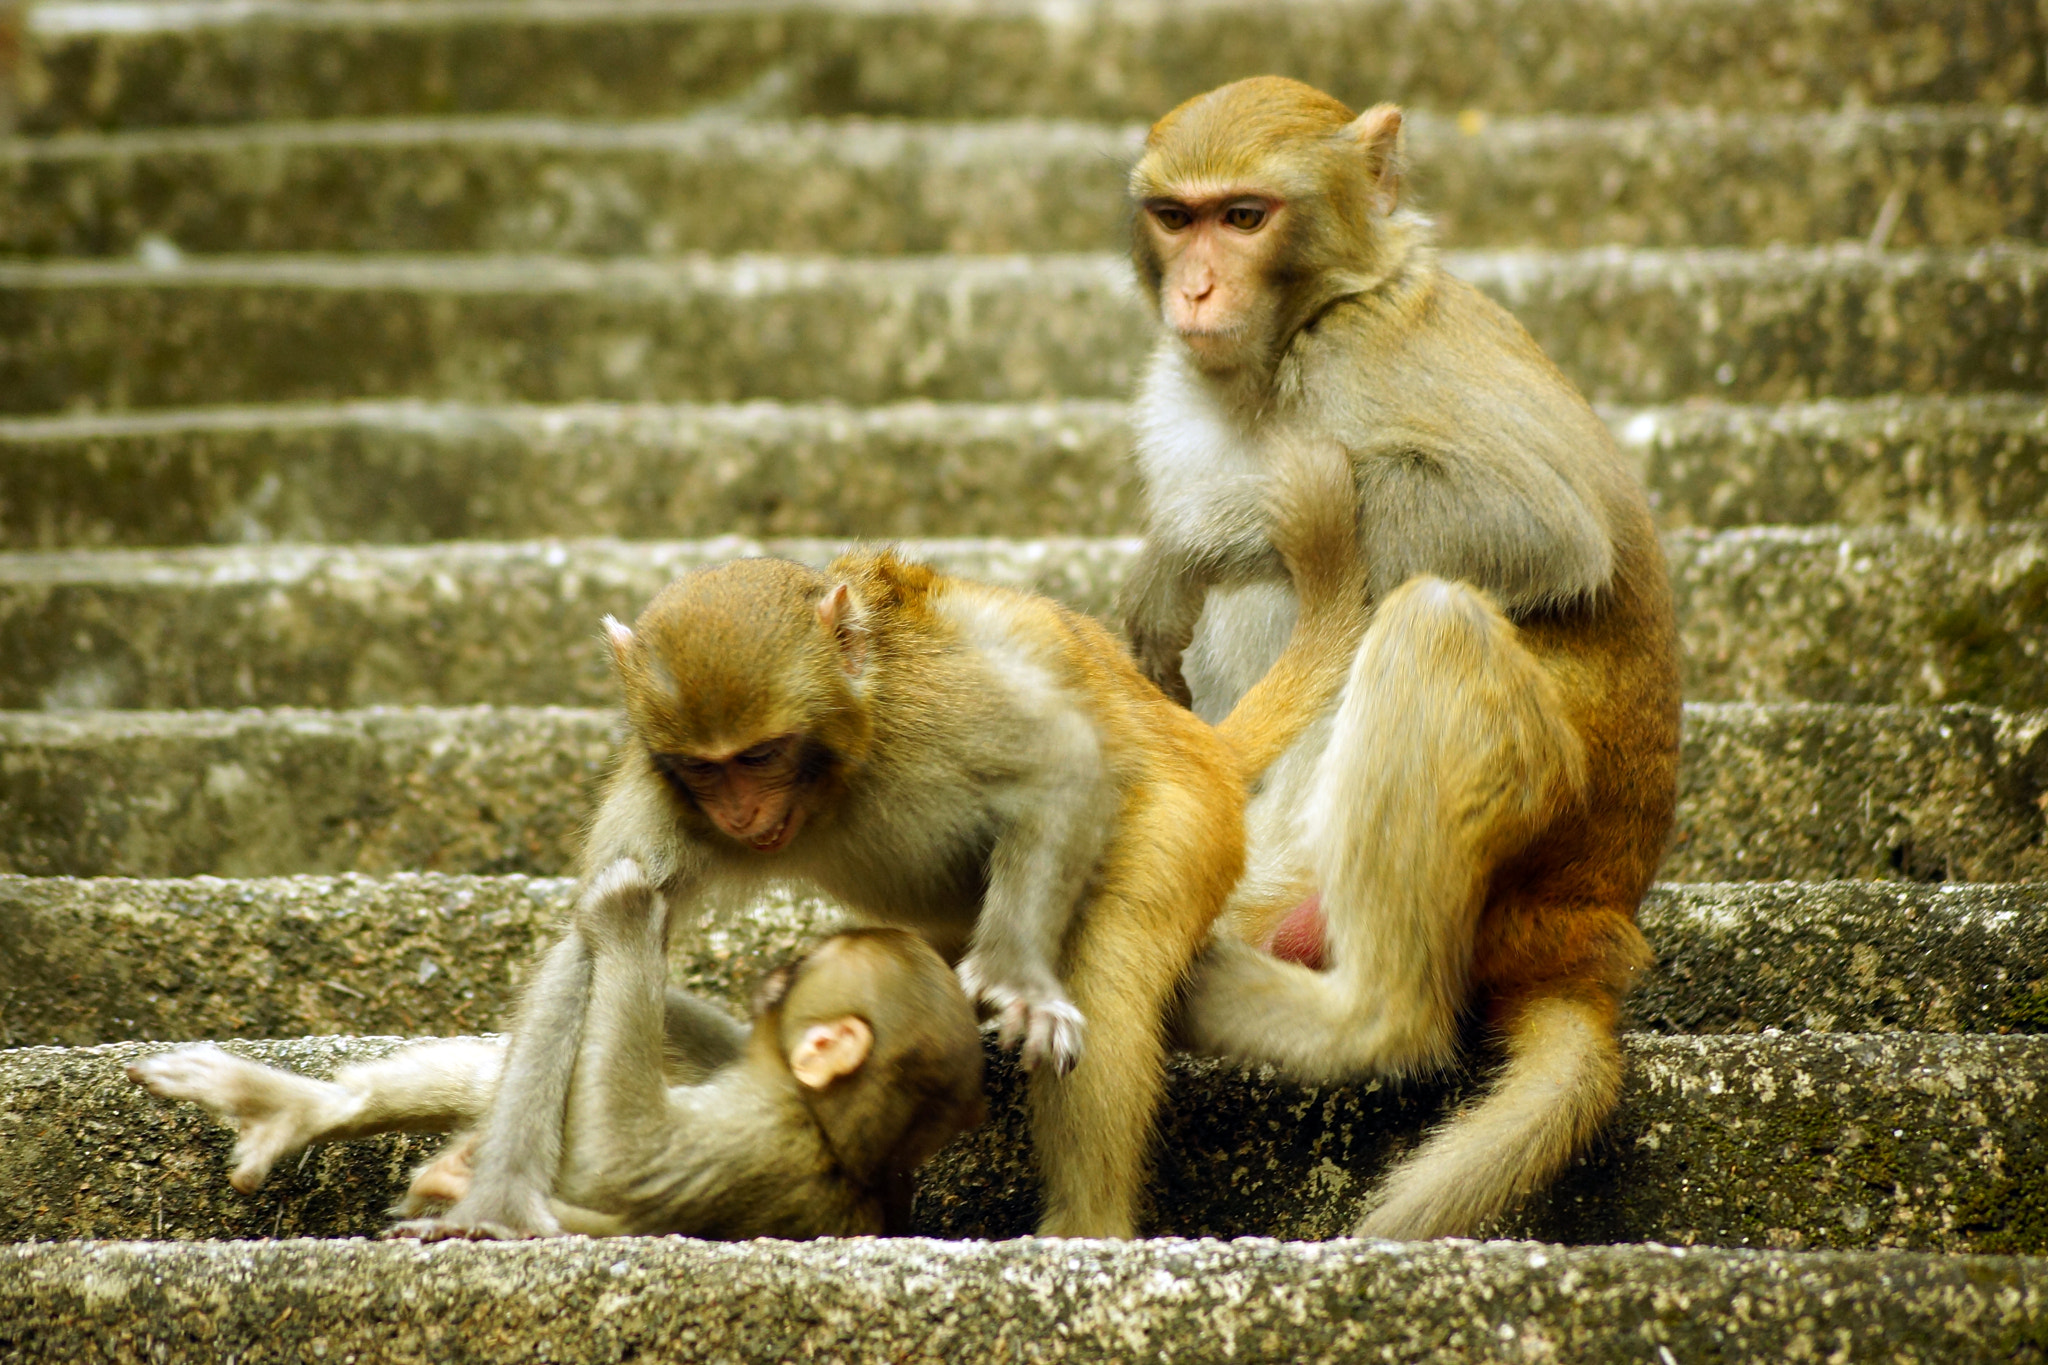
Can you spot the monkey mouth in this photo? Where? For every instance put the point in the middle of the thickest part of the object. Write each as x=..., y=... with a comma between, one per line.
x=777, y=837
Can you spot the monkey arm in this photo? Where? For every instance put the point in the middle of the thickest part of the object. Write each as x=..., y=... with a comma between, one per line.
x=1160, y=602
x=1039, y=868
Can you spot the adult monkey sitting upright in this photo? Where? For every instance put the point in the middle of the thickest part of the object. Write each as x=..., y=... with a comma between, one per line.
x=1483, y=807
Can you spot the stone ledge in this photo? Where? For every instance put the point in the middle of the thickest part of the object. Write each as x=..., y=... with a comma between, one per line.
x=213, y=63
x=1802, y=1141
x=1641, y=326
x=1765, y=615
x=1798, y=791
x=1664, y=179
x=97, y=961
x=101, y=960
x=407, y=472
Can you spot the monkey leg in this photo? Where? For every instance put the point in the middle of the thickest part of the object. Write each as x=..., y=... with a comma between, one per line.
x=1092, y=1128
x=618, y=1107
x=1447, y=753
x=1561, y=1079
x=430, y=1087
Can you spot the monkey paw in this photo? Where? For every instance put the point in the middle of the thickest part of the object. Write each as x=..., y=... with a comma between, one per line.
x=442, y=1230
x=1044, y=1021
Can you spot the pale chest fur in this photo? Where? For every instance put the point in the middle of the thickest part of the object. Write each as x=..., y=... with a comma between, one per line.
x=1203, y=472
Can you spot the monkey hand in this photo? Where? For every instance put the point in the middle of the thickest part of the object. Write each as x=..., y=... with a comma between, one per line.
x=274, y=1113
x=1043, y=1020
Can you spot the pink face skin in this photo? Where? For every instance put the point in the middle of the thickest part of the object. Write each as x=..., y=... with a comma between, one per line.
x=1212, y=249
x=751, y=794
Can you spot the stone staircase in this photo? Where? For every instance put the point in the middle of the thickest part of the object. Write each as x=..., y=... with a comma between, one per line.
x=357, y=355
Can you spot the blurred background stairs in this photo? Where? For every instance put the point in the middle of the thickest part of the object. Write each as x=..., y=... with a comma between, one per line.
x=357, y=355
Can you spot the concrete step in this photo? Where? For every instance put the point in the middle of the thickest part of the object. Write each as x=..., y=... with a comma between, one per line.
x=1628, y=326
x=1768, y=615
x=1959, y=176
x=101, y=960
x=403, y=472
x=210, y=61
x=1800, y=791
x=1801, y=1141
x=926, y=1303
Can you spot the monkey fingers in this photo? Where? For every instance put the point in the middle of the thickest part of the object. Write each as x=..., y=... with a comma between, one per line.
x=441, y=1230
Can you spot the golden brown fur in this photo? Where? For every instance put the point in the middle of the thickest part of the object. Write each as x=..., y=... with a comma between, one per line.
x=1485, y=803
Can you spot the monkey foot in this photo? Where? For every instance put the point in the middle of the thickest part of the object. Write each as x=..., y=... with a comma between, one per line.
x=1300, y=937
x=441, y=1230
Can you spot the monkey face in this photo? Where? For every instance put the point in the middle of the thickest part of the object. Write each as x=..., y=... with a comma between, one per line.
x=753, y=796
x=1214, y=249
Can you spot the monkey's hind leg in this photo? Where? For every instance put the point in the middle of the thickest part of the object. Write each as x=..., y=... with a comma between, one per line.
x=1447, y=753
x=1092, y=1128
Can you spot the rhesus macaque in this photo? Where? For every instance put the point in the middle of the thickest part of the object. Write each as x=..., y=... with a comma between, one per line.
x=1466, y=832
x=863, y=1060
x=979, y=765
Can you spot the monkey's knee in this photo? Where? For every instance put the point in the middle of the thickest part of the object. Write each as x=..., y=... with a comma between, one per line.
x=619, y=906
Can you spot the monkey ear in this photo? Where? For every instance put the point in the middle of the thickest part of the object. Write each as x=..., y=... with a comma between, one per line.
x=845, y=620
x=831, y=1050
x=619, y=636
x=1377, y=134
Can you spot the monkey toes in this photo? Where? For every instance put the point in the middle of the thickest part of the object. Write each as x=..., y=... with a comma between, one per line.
x=241, y=1094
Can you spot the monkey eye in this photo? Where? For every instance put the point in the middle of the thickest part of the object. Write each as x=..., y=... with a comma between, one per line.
x=1172, y=217
x=1245, y=217
x=692, y=770
x=763, y=754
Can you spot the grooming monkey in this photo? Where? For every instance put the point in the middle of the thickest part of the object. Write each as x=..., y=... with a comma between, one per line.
x=1466, y=832
x=863, y=1060
x=979, y=765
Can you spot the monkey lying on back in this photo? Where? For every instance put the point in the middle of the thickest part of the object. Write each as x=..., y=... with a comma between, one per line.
x=863, y=1060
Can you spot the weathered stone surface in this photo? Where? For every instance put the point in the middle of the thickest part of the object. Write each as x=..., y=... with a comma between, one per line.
x=413, y=472
x=1034, y=1301
x=1911, y=1141
x=319, y=626
x=257, y=793
x=103, y=960
x=1931, y=461
x=148, y=64
x=401, y=472
x=94, y=961
x=1764, y=615
x=1884, y=792
x=1857, y=957
x=1634, y=326
x=1803, y=791
x=1865, y=616
x=1961, y=177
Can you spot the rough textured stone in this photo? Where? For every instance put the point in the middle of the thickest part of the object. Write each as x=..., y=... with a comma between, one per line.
x=1859, y=957
x=1122, y=59
x=1908, y=1141
x=1634, y=326
x=1961, y=177
x=401, y=472
x=317, y=626
x=1765, y=616
x=1867, y=616
x=414, y=472
x=1803, y=791
x=1884, y=792
x=1030, y=1301
x=104, y=960
x=94, y=961
x=1933, y=461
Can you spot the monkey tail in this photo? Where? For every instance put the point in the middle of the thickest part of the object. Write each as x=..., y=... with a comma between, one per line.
x=1561, y=1080
x=1312, y=510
